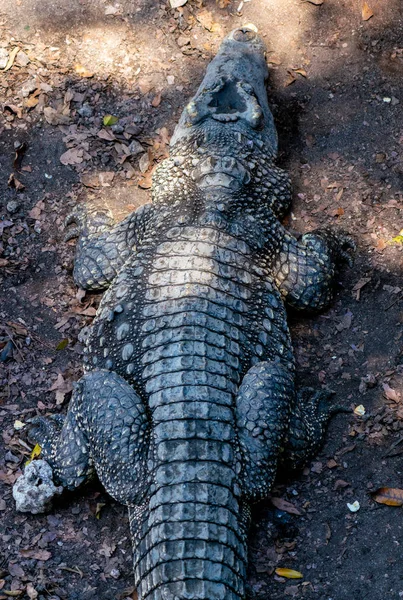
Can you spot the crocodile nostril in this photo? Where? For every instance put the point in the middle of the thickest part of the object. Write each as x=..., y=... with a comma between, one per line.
x=243, y=34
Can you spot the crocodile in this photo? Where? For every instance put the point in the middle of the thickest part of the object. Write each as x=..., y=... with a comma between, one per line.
x=187, y=407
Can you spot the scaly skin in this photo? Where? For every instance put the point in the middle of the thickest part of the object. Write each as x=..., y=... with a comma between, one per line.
x=188, y=404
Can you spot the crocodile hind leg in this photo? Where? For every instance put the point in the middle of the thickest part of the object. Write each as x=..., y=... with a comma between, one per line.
x=107, y=430
x=276, y=425
x=103, y=247
x=263, y=412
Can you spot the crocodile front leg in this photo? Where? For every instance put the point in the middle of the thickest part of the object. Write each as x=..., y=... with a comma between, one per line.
x=103, y=248
x=305, y=269
x=106, y=429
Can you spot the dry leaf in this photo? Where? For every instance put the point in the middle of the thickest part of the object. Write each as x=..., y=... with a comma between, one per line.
x=301, y=72
x=366, y=12
x=288, y=573
x=145, y=182
x=11, y=59
x=55, y=118
x=359, y=285
x=390, y=393
x=90, y=180
x=14, y=183
x=14, y=109
x=106, y=178
x=106, y=135
x=31, y=102
x=156, y=101
x=36, y=554
x=316, y=2
x=205, y=18
x=35, y=212
x=73, y=156
x=285, y=506
x=82, y=71
x=389, y=496
x=19, y=153
x=381, y=245
x=291, y=78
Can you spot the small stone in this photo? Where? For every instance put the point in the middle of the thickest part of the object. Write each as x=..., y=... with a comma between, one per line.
x=22, y=59
x=86, y=110
x=28, y=87
x=13, y=206
x=117, y=128
x=144, y=163
x=115, y=573
x=135, y=148
x=170, y=79
x=177, y=3
x=3, y=58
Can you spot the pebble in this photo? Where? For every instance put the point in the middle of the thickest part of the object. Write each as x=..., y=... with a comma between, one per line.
x=86, y=110
x=13, y=206
x=115, y=573
x=22, y=59
x=135, y=148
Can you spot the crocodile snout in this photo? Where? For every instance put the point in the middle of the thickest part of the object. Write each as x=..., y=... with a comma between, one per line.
x=244, y=34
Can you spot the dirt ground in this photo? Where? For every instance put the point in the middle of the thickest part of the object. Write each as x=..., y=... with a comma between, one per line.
x=336, y=91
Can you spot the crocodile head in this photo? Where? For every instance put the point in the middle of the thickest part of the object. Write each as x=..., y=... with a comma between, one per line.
x=232, y=98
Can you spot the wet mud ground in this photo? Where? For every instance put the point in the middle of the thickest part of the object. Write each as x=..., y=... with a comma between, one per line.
x=336, y=92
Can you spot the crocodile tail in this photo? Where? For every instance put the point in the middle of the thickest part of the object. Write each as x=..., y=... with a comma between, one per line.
x=189, y=545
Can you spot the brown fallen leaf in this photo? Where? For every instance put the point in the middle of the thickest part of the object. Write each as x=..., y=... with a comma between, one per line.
x=288, y=573
x=73, y=156
x=11, y=59
x=359, y=285
x=315, y=2
x=381, y=245
x=285, y=506
x=106, y=135
x=390, y=393
x=145, y=182
x=55, y=118
x=205, y=19
x=301, y=72
x=36, y=554
x=366, y=12
x=90, y=180
x=35, y=212
x=82, y=71
x=291, y=79
x=19, y=153
x=14, y=183
x=13, y=109
x=156, y=101
x=389, y=496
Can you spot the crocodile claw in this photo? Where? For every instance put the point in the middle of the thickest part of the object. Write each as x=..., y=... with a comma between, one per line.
x=78, y=218
x=43, y=431
x=346, y=249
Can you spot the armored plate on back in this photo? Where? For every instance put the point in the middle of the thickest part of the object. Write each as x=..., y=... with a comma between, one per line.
x=187, y=406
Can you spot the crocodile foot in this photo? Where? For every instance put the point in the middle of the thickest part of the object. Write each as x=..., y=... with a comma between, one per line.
x=44, y=431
